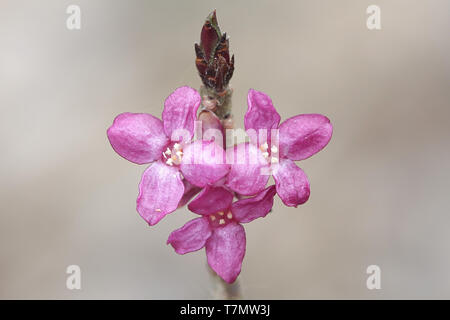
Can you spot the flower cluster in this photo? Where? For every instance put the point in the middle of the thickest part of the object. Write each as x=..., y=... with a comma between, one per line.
x=229, y=184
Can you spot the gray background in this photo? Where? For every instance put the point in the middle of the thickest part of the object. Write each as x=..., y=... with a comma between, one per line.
x=379, y=191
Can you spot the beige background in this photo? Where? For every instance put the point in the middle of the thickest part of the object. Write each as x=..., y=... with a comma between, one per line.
x=380, y=189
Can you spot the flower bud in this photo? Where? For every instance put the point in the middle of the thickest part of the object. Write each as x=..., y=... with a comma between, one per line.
x=213, y=58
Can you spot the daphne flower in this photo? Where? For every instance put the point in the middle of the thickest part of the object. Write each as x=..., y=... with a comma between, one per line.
x=299, y=138
x=142, y=138
x=220, y=228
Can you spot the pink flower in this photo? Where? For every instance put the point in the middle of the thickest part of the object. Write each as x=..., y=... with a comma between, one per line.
x=220, y=228
x=299, y=138
x=142, y=138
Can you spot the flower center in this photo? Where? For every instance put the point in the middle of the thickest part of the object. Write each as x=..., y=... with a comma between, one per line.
x=271, y=154
x=221, y=218
x=173, y=155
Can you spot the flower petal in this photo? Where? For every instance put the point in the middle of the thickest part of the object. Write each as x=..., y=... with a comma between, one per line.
x=160, y=191
x=138, y=137
x=304, y=135
x=203, y=163
x=211, y=200
x=225, y=250
x=246, y=174
x=180, y=112
x=261, y=113
x=292, y=183
x=189, y=192
x=212, y=128
x=190, y=237
x=249, y=209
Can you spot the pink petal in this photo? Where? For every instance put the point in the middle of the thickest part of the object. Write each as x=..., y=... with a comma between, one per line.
x=189, y=192
x=249, y=209
x=291, y=183
x=211, y=127
x=261, y=113
x=191, y=237
x=138, y=137
x=160, y=191
x=247, y=163
x=180, y=112
x=304, y=135
x=225, y=250
x=211, y=200
x=203, y=163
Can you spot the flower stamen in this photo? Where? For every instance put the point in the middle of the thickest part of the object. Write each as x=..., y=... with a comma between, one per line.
x=173, y=156
x=264, y=147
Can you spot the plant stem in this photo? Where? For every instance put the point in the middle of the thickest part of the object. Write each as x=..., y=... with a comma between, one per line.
x=219, y=103
x=223, y=290
x=221, y=106
x=216, y=69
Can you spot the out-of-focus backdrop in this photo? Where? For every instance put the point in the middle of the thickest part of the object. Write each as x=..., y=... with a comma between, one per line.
x=379, y=190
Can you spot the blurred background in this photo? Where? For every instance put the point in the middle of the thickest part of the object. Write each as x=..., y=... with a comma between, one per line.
x=379, y=190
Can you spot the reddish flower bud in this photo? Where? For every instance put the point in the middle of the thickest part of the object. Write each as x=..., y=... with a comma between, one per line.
x=213, y=58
